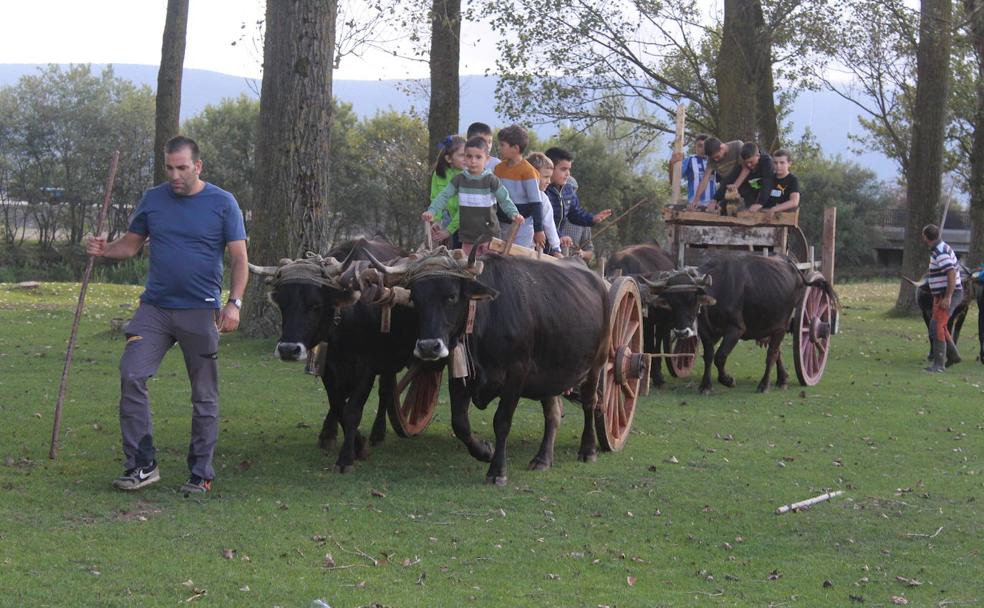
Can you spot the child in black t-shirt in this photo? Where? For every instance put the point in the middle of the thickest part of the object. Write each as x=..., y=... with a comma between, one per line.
x=785, y=193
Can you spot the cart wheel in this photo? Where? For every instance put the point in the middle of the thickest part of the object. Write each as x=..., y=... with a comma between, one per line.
x=681, y=367
x=626, y=366
x=415, y=399
x=812, y=328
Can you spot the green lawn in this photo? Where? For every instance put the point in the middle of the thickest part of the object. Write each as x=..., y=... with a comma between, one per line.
x=683, y=516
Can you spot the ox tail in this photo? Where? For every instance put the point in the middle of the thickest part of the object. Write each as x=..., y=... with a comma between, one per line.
x=818, y=280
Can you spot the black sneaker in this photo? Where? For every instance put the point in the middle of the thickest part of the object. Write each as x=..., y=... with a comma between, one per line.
x=137, y=477
x=196, y=485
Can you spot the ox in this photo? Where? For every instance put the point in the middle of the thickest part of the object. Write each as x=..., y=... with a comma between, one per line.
x=755, y=299
x=924, y=298
x=539, y=328
x=659, y=283
x=322, y=310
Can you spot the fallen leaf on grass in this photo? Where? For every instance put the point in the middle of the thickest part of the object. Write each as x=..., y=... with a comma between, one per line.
x=553, y=577
x=708, y=509
x=857, y=598
x=908, y=581
x=775, y=575
x=378, y=494
x=672, y=460
x=898, y=600
x=827, y=584
x=630, y=580
x=318, y=538
x=329, y=562
x=229, y=553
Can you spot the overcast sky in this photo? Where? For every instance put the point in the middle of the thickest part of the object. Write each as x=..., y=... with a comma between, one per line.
x=130, y=31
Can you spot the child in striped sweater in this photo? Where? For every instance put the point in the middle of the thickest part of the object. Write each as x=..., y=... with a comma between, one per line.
x=478, y=193
x=522, y=181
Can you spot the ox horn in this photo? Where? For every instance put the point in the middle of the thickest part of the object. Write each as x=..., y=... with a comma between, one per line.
x=915, y=284
x=392, y=274
x=704, y=280
x=266, y=271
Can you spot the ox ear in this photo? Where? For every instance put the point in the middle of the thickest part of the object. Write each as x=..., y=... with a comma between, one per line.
x=475, y=290
x=706, y=300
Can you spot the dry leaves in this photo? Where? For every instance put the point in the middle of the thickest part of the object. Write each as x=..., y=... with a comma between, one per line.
x=630, y=580
x=775, y=575
x=229, y=553
x=329, y=561
x=898, y=600
x=378, y=494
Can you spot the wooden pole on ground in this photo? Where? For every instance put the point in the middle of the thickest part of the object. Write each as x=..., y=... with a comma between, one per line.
x=829, y=243
x=56, y=429
x=681, y=115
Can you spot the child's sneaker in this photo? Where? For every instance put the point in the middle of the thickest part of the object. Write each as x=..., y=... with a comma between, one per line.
x=196, y=485
x=138, y=477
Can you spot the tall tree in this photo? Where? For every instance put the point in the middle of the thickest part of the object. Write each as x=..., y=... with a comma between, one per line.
x=928, y=131
x=442, y=118
x=291, y=183
x=974, y=10
x=744, y=76
x=168, y=109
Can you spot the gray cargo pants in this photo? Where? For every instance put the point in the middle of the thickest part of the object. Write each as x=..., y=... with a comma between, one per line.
x=151, y=333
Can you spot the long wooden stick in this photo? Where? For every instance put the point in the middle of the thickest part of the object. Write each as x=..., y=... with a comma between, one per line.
x=807, y=502
x=611, y=223
x=677, y=176
x=56, y=429
x=428, y=236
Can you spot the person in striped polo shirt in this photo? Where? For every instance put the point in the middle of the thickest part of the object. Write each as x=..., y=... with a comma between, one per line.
x=478, y=194
x=944, y=284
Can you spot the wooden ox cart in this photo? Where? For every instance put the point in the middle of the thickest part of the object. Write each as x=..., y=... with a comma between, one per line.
x=692, y=234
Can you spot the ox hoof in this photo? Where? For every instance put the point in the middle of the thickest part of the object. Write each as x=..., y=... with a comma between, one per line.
x=344, y=468
x=375, y=439
x=587, y=456
x=762, y=388
x=783, y=386
x=727, y=381
x=538, y=464
x=496, y=480
x=484, y=452
x=705, y=390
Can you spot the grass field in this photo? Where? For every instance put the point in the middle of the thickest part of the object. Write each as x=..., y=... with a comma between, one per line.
x=682, y=517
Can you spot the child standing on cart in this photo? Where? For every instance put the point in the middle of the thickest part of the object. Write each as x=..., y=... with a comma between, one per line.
x=479, y=191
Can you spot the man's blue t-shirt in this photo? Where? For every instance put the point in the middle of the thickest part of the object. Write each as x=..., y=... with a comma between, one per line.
x=188, y=236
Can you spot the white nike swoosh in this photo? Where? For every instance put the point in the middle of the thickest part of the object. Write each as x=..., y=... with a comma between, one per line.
x=141, y=475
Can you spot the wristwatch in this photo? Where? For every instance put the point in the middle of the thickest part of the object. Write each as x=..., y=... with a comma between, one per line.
x=238, y=303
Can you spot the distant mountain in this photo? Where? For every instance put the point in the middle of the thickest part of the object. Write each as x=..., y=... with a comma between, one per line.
x=830, y=117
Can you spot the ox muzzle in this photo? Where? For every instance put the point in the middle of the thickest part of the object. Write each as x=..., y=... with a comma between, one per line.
x=291, y=351
x=430, y=350
x=683, y=334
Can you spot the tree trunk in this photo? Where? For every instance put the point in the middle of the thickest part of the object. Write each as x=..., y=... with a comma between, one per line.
x=744, y=76
x=924, y=177
x=975, y=8
x=291, y=214
x=168, y=110
x=442, y=119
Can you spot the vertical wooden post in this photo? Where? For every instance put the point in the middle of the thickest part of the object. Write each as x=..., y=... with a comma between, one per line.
x=681, y=115
x=829, y=243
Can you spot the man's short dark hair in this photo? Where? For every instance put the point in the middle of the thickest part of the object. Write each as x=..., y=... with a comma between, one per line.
x=712, y=145
x=180, y=142
x=783, y=152
x=748, y=150
x=701, y=137
x=931, y=232
x=514, y=135
x=478, y=128
x=558, y=154
x=479, y=142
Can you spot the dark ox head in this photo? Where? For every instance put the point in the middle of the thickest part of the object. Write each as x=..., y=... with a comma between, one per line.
x=681, y=293
x=308, y=304
x=442, y=306
x=441, y=286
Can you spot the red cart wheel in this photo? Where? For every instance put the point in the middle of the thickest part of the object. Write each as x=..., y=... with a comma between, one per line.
x=415, y=399
x=627, y=365
x=681, y=367
x=812, y=328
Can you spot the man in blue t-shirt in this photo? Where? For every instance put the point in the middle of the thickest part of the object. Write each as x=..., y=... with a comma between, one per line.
x=188, y=223
x=693, y=169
